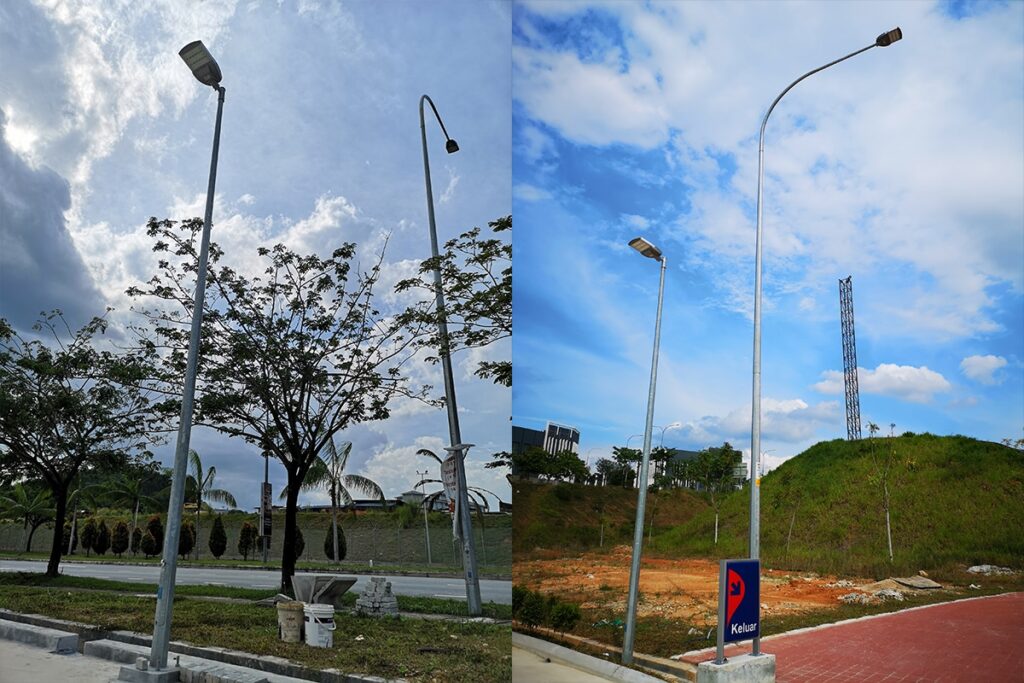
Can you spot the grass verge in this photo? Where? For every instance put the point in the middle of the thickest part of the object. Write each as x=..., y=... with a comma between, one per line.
x=414, y=649
x=406, y=603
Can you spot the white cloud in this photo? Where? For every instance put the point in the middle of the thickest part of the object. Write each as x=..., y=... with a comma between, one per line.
x=906, y=382
x=525, y=192
x=636, y=222
x=785, y=420
x=449, y=192
x=982, y=368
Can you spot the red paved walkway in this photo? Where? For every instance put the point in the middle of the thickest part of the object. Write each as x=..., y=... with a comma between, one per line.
x=978, y=640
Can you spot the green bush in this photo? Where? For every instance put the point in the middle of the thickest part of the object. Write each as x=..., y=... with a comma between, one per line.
x=154, y=527
x=246, y=540
x=186, y=539
x=66, y=537
x=534, y=611
x=119, y=539
x=102, y=542
x=564, y=616
x=218, y=538
x=88, y=535
x=329, y=544
x=136, y=540
x=519, y=594
x=148, y=544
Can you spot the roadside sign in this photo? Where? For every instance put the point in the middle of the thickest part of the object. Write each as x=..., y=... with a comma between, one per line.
x=450, y=480
x=739, y=602
x=266, y=508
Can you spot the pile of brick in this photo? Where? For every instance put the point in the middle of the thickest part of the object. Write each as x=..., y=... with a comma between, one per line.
x=378, y=600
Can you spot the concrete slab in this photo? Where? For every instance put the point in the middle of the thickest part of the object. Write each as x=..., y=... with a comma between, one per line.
x=20, y=663
x=740, y=669
x=39, y=636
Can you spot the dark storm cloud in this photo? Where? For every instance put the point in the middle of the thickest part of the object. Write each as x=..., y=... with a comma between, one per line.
x=40, y=269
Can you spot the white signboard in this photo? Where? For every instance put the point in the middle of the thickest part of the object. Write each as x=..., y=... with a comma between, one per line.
x=450, y=479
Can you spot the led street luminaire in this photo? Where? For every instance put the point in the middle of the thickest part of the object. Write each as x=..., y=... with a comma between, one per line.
x=451, y=146
x=204, y=67
x=645, y=248
x=889, y=37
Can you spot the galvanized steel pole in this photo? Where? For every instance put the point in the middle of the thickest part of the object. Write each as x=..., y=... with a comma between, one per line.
x=169, y=561
x=468, y=547
x=638, y=530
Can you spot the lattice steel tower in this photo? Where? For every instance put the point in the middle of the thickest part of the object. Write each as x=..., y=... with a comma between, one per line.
x=849, y=359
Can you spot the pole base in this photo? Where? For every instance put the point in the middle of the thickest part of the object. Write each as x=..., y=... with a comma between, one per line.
x=739, y=669
x=135, y=675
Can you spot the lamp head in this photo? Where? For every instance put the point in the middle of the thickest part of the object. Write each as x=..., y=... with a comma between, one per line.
x=645, y=248
x=204, y=67
x=451, y=146
x=889, y=37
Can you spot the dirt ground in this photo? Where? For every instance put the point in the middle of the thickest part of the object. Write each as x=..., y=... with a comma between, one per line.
x=684, y=589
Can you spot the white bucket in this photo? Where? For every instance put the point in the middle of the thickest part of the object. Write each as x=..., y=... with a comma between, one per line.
x=289, y=621
x=319, y=624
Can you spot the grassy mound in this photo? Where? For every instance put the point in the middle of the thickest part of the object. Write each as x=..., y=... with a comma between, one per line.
x=954, y=500
x=569, y=516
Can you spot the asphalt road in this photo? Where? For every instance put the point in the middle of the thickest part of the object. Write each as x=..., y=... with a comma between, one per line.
x=490, y=590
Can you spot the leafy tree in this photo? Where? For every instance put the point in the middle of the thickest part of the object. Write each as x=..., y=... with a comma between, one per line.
x=714, y=469
x=149, y=544
x=66, y=404
x=102, y=543
x=186, y=539
x=246, y=540
x=476, y=277
x=329, y=546
x=327, y=472
x=536, y=462
x=290, y=357
x=218, y=538
x=33, y=507
x=128, y=491
x=136, y=540
x=884, y=475
x=627, y=457
x=88, y=535
x=199, y=486
x=613, y=473
x=156, y=528
x=119, y=539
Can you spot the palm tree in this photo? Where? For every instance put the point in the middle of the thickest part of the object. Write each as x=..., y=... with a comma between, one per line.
x=34, y=508
x=200, y=482
x=326, y=473
x=127, y=491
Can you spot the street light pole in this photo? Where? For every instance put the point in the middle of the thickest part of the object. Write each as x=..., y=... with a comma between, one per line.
x=206, y=70
x=650, y=251
x=474, y=606
x=426, y=524
x=883, y=40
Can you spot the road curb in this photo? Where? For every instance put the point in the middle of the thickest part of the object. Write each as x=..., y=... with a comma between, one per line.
x=51, y=639
x=578, y=660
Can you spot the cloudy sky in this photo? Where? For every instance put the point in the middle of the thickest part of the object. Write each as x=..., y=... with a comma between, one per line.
x=103, y=126
x=903, y=167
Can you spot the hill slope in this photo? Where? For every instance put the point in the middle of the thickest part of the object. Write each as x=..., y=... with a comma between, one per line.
x=953, y=500
x=563, y=516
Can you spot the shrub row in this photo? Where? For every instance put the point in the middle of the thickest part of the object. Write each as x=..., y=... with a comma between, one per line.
x=533, y=609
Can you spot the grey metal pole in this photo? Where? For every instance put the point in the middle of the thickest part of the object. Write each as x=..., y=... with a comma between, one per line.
x=638, y=530
x=455, y=436
x=266, y=480
x=426, y=522
x=169, y=561
x=755, y=422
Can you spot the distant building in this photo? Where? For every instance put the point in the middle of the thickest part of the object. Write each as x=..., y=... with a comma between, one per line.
x=558, y=438
x=524, y=438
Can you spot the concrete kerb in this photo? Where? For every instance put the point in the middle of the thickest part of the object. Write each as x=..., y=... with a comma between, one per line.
x=54, y=640
x=273, y=665
x=578, y=660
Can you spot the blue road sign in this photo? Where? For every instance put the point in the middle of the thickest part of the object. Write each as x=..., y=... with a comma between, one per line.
x=742, y=600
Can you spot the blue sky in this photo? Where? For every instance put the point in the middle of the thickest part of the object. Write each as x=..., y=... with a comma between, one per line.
x=903, y=167
x=103, y=126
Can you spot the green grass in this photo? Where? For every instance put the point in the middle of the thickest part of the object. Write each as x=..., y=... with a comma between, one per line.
x=567, y=517
x=414, y=649
x=406, y=603
x=954, y=500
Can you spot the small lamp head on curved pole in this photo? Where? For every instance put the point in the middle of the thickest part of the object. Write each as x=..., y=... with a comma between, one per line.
x=451, y=146
x=204, y=67
x=889, y=37
x=645, y=248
